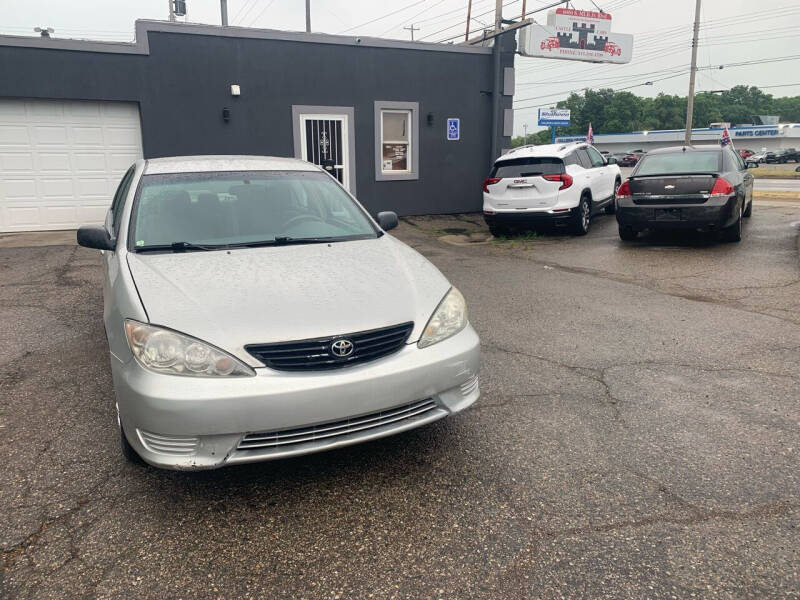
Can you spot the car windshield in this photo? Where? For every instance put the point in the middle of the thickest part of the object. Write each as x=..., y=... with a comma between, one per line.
x=223, y=209
x=528, y=167
x=679, y=163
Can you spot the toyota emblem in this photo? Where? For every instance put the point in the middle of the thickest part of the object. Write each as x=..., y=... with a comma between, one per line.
x=342, y=348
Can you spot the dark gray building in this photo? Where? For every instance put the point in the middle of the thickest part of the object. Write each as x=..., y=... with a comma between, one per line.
x=406, y=126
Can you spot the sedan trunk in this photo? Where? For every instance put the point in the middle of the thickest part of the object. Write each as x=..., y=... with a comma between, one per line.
x=674, y=189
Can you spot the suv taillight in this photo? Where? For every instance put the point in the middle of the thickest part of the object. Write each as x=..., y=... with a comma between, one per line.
x=488, y=182
x=624, y=191
x=722, y=187
x=564, y=178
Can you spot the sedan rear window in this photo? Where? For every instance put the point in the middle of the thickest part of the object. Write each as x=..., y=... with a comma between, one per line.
x=230, y=208
x=679, y=163
x=528, y=167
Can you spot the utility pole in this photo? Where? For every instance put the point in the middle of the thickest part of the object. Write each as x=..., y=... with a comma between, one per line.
x=525, y=127
x=412, y=29
x=308, y=16
x=171, y=11
x=223, y=9
x=687, y=139
x=469, y=17
x=524, y=2
x=497, y=42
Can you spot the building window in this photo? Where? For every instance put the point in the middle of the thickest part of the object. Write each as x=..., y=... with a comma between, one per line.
x=396, y=140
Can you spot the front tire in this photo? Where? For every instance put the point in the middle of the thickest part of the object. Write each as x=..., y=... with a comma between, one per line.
x=582, y=216
x=128, y=452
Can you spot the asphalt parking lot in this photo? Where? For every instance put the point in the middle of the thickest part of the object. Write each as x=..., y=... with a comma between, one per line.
x=638, y=436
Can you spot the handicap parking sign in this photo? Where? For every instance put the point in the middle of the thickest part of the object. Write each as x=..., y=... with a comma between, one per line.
x=454, y=129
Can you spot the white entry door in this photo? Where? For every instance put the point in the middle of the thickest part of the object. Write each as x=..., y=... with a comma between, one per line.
x=324, y=141
x=60, y=160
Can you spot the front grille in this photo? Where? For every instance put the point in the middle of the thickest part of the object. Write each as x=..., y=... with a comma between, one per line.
x=174, y=445
x=317, y=354
x=330, y=431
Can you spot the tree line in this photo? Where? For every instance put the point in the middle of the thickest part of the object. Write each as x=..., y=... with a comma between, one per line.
x=612, y=112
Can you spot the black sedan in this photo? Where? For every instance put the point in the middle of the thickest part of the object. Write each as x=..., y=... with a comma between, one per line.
x=704, y=188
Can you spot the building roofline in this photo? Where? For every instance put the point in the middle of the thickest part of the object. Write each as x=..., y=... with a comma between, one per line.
x=141, y=45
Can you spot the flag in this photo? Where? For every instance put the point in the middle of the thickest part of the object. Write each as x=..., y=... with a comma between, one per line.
x=726, y=137
x=590, y=135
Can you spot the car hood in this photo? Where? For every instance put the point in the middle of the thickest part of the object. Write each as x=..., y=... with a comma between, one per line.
x=284, y=293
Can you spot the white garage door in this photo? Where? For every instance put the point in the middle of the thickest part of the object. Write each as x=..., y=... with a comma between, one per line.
x=61, y=161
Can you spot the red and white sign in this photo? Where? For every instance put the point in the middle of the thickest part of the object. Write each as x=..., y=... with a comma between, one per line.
x=576, y=35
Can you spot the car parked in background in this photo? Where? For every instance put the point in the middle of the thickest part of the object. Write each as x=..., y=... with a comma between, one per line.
x=757, y=158
x=705, y=188
x=630, y=158
x=744, y=153
x=789, y=154
x=255, y=311
x=559, y=184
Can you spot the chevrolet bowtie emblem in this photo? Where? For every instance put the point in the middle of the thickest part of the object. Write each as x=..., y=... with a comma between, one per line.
x=669, y=187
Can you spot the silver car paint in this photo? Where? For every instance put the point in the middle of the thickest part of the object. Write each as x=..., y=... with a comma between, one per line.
x=226, y=301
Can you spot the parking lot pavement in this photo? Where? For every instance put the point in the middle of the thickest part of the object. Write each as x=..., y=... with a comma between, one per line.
x=637, y=437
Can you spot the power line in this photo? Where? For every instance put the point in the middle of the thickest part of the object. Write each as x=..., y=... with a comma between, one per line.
x=399, y=10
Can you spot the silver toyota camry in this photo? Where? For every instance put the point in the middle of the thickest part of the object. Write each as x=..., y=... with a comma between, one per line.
x=254, y=311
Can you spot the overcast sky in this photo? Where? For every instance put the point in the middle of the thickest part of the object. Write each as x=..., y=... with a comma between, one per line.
x=732, y=31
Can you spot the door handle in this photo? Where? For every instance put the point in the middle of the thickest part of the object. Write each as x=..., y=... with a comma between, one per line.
x=519, y=185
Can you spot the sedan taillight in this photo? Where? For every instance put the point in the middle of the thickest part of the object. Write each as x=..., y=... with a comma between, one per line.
x=624, y=191
x=564, y=178
x=722, y=187
x=488, y=182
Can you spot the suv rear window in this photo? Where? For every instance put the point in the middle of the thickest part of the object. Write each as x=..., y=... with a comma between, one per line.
x=528, y=167
x=679, y=162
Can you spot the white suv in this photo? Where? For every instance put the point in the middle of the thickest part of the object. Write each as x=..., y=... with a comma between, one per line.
x=563, y=184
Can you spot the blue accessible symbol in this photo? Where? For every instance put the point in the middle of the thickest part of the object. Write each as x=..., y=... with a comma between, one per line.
x=454, y=129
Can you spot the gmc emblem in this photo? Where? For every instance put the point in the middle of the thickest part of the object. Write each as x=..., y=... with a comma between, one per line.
x=520, y=181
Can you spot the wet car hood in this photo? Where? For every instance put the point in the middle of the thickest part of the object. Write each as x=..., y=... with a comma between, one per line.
x=283, y=293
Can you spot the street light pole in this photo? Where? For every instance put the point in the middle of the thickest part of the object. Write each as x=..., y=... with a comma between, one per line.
x=171, y=11
x=308, y=16
x=687, y=138
x=525, y=127
x=223, y=10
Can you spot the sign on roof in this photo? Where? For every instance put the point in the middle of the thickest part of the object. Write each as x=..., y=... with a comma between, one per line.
x=553, y=117
x=576, y=35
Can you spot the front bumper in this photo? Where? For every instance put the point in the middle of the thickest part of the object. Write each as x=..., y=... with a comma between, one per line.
x=713, y=214
x=200, y=423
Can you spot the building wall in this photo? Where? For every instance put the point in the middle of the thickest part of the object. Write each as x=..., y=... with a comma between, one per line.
x=181, y=82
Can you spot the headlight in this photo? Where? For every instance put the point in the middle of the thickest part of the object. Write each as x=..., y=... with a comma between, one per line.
x=165, y=351
x=448, y=319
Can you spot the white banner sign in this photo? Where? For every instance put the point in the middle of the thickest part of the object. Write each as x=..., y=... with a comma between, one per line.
x=576, y=35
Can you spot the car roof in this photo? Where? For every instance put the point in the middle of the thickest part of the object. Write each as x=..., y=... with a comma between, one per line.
x=225, y=162
x=674, y=149
x=552, y=150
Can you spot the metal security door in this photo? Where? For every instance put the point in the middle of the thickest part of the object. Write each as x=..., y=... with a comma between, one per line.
x=324, y=142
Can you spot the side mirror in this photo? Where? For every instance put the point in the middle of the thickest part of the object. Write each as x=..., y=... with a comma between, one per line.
x=95, y=236
x=387, y=220
x=752, y=165
x=611, y=160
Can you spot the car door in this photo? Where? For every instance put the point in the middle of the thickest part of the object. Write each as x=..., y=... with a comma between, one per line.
x=747, y=177
x=603, y=182
x=594, y=176
x=584, y=170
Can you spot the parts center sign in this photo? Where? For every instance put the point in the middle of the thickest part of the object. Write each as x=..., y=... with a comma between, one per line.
x=576, y=35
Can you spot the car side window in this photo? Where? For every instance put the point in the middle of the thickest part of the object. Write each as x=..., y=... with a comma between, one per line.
x=583, y=158
x=118, y=204
x=570, y=159
x=740, y=161
x=595, y=157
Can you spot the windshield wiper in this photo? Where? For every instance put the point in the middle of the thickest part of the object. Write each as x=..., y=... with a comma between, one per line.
x=179, y=247
x=284, y=241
